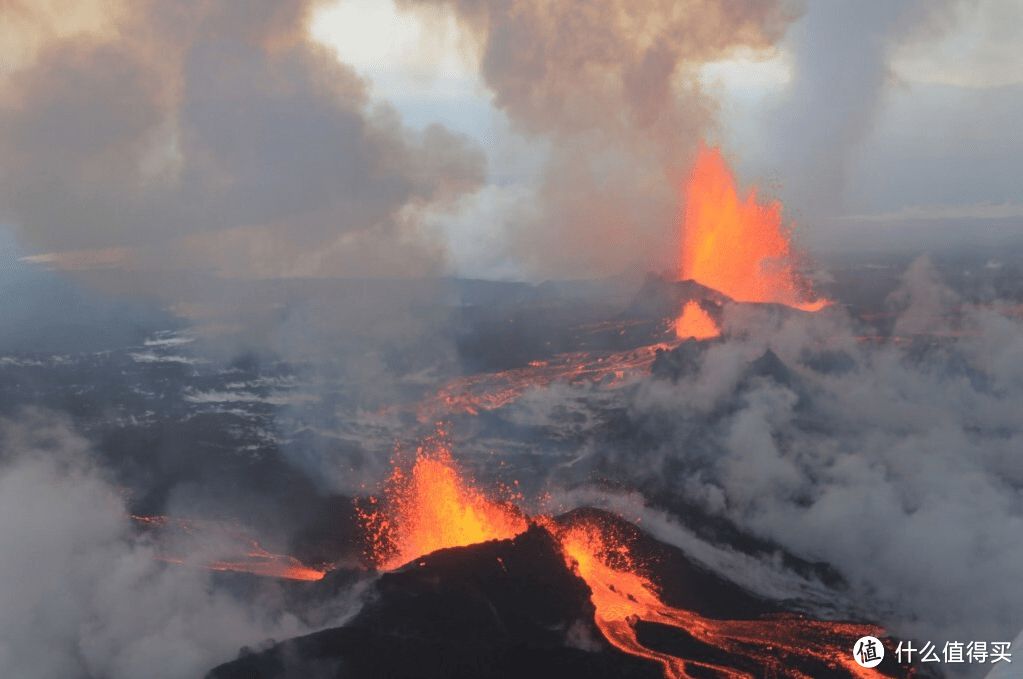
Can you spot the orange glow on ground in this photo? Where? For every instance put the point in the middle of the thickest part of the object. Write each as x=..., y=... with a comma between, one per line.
x=489, y=391
x=432, y=507
x=738, y=247
x=695, y=323
x=246, y=554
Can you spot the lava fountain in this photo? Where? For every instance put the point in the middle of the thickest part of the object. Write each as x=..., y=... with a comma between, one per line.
x=431, y=507
x=695, y=323
x=738, y=247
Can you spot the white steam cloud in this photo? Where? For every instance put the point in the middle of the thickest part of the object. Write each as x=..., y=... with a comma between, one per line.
x=900, y=465
x=80, y=596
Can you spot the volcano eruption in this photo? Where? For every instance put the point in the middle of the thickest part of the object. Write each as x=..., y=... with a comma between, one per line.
x=432, y=339
x=469, y=582
x=473, y=587
x=737, y=246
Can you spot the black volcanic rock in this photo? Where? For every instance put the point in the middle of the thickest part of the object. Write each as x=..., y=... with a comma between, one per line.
x=663, y=298
x=682, y=361
x=512, y=608
x=683, y=583
x=770, y=367
x=507, y=608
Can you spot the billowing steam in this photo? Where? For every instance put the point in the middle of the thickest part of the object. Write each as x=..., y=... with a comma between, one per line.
x=896, y=464
x=213, y=137
x=85, y=597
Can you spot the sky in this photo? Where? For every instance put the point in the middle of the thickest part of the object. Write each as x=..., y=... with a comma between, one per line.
x=348, y=138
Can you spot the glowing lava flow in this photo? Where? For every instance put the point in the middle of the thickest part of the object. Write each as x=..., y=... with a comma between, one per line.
x=489, y=391
x=433, y=507
x=695, y=323
x=622, y=596
x=246, y=555
x=737, y=247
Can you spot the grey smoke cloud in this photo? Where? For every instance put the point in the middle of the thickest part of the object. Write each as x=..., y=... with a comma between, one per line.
x=841, y=62
x=612, y=88
x=85, y=597
x=218, y=137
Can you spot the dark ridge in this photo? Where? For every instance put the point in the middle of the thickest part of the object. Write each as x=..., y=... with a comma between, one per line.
x=683, y=583
x=663, y=298
x=505, y=609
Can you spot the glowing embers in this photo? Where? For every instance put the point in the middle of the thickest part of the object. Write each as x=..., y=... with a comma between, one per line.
x=432, y=506
x=738, y=247
x=695, y=323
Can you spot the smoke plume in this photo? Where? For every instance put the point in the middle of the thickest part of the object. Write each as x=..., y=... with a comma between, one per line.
x=213, y=137
x=841, y=55
x=612, y=87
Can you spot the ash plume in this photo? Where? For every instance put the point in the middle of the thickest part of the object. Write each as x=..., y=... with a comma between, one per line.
x=841, y=76
x=214, y=160
x=611, y=87
x=212, y=137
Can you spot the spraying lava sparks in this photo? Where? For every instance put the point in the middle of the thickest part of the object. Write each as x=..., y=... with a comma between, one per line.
x=695, y=323
x=432, y=507
x=738, y=247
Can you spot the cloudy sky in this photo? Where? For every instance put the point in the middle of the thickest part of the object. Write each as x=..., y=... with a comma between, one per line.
x=910, y=106
x=497, y=140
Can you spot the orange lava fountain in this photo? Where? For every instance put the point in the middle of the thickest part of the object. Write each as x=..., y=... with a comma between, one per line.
x=433, y=507
x=738, y=247
x=695, y=323
x=622, y=596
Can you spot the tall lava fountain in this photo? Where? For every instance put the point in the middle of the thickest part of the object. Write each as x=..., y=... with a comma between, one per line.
x=737, y=246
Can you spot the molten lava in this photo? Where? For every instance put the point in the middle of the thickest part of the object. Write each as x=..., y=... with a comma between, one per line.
x=432, y=507
x=490, y=391
x=738, y=247
x=695, y=323
x=622, y=595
